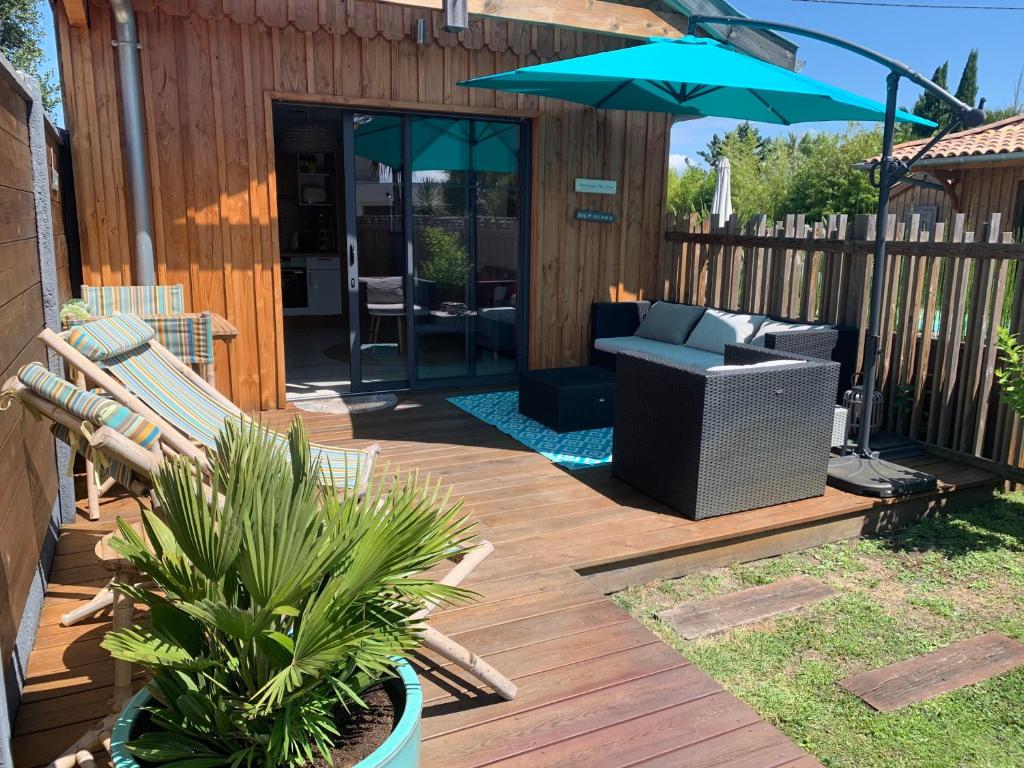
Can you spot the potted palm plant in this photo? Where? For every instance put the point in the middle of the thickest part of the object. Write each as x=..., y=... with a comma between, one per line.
x=279, y=612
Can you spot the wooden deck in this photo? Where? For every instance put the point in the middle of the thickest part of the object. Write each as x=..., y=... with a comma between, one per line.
x=595, y=687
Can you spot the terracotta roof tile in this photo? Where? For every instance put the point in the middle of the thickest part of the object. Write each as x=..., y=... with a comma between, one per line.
x=993, y=139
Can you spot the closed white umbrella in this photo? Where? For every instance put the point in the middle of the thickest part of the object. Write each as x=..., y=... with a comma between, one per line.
x=721, y=205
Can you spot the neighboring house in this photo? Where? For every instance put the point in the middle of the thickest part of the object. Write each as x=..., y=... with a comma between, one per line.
x=975, y=172
x=255, y=113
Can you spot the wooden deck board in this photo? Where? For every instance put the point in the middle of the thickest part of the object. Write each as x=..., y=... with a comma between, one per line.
x=596, y=688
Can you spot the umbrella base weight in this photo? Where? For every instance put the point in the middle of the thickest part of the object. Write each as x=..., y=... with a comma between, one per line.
x=877, y=477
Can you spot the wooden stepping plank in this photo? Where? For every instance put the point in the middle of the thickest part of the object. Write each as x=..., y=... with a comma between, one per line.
x=947, y=669
x=745, y=607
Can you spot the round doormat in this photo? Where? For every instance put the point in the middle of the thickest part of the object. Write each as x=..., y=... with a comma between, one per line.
x=349, y=403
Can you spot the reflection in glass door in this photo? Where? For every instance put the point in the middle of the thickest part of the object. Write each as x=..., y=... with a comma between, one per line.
x=434, y=233
x=466, y=234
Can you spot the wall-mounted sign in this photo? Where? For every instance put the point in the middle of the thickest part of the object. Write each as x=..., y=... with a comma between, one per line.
x=602, y=217
x=597, y=186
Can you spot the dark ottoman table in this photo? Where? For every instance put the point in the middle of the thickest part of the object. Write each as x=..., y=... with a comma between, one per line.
x=568, y=399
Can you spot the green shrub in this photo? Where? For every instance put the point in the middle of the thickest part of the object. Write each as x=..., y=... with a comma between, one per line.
x=1010, y=374
x=446, y=262
x=276, y=603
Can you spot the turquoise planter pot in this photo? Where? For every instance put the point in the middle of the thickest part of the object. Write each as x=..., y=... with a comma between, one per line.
x=400, y=750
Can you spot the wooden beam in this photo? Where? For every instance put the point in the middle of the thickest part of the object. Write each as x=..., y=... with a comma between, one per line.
x=589, y=15
x=762, y=43
x=77, y=12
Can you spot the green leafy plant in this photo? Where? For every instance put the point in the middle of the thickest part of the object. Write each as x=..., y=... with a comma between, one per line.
x=21, y=36
x=446, y=263
x=1010, y=374
x=276, y=603
x=428, y=198
x=73, y=309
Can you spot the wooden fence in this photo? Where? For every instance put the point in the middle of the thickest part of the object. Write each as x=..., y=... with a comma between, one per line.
x=946, y=292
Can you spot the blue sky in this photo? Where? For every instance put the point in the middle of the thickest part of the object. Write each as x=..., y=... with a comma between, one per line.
x=922, y=38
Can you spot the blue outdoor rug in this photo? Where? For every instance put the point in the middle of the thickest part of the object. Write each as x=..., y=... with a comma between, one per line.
x=572, y=450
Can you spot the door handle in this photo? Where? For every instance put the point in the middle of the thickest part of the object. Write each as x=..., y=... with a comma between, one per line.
x=351, y=255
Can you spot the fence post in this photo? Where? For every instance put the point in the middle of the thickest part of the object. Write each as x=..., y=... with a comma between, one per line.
x=954, y=298
x=933, y=266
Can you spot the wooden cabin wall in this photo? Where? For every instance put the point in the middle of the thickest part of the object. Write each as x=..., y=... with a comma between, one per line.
x=29, y=489
x=983, y=190
x=209, y=69
x=903, y=205
x=991, y=189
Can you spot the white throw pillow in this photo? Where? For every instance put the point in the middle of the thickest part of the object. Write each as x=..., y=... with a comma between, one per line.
x=756, y=366
x=777, y=326
x=670, y=323
x=717, y=328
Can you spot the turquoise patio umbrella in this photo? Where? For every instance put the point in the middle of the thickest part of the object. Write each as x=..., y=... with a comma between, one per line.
x=691, y=76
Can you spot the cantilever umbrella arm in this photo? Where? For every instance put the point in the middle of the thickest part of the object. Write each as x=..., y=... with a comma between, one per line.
x=970, y=116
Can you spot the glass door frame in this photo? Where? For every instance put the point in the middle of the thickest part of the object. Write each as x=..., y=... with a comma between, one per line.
x=525, y=175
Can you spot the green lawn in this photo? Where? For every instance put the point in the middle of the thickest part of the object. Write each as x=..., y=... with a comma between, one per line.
x=939, y=581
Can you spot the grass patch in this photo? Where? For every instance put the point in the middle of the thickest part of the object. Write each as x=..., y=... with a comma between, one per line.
x=942, y=580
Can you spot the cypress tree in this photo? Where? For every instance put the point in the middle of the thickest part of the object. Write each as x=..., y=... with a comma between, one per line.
x=929, y=106
x=967, y=90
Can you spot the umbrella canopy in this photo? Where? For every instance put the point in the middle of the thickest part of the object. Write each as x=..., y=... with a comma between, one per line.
x=691, y=76
x=721, y=205
x=441, y=143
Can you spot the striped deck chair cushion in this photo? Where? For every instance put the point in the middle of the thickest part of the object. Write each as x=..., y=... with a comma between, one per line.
x=88, y=406
x=122, y=473
x=188, y=337
x=200, y=416
x=135, y=299
x=109, y=336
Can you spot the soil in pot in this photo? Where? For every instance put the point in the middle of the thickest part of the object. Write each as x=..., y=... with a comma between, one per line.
x=363, y=730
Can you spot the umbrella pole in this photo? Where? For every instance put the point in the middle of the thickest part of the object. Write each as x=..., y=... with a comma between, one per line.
x=872, y=341
x=863, y=471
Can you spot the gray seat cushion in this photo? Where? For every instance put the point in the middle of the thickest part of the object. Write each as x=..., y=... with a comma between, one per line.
x=670, y=323
x=499, y=314
x=718, y=328
x=698, y=358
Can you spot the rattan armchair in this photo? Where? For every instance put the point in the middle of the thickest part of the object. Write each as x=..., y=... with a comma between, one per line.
x=710, y=443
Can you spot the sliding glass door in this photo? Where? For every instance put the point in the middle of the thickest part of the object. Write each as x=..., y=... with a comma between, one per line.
x=435, y=233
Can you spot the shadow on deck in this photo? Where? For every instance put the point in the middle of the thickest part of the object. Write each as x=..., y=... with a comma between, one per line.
x=596, y=688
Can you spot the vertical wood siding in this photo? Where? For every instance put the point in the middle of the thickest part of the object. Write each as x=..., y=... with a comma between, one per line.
x=982, y=190
x=209, y=70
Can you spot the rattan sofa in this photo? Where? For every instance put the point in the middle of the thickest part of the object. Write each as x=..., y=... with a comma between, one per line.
x=611, y=320
x=710, y=442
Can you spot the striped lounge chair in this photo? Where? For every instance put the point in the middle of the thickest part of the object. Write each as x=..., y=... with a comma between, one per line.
x=188, y=336
x=104, y=300
x=78, y=416
x=121, y=355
